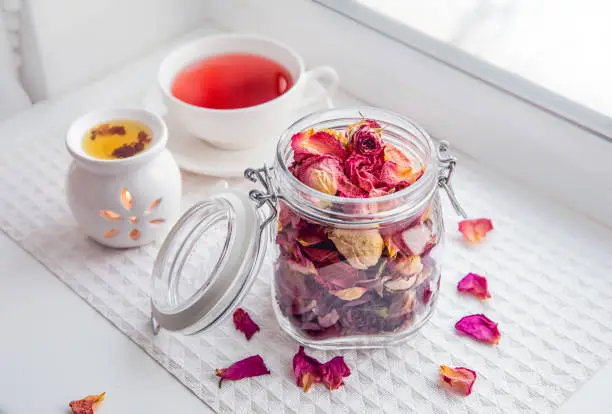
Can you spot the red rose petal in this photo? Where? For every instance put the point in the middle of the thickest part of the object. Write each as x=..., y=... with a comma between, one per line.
x=86, y=405
x=252, y=366
x=475, y=230
x=244, y=323
x=306, y=369
x=361, y=172
x=333, y=372
x=475, y=285
x=309, y=142
x=480, y=328
x=459, y=380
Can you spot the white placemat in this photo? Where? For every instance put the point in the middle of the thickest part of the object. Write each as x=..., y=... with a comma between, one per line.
x=548, y=269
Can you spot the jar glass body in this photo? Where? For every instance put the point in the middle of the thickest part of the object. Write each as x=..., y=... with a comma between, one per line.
x=353, y=273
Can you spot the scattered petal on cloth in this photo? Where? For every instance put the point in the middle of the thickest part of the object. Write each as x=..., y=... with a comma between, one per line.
x=459, y=380
x=333, y=372
x=308, y=371
x=244, y=323
x=87, y=405
x=252, y=366
x=479, y=327
x=475, y=230
x=475, y=285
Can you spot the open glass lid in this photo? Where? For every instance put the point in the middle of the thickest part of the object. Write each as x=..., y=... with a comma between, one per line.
x=207, y=263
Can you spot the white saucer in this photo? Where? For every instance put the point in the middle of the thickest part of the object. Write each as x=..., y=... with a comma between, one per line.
x=194, y=155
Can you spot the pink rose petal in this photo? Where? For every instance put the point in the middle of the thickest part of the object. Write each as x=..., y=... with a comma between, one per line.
x=252, y=366
x=475, y=285
x=244, y=323
x=480, y=328
x=475, y=230
x=309, y=142
x=459, y=380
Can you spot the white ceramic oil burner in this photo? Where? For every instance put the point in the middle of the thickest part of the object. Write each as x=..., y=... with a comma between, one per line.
x=123, y=202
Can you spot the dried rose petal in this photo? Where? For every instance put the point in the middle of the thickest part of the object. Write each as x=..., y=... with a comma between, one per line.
x=328, y=319
x=309, y=142
x=311, y=234
x=306, y=369
x=459, y=380
x=286, y=216
x=427, y=293
x=402, y=303
x=349, y=294
x=480, y=328
x=321, y=172
x=337, y=276
x=252, y=366
x=475, y=230
x=361, y=171
x=401, y=283
x=361, y=248
x=244, y=323
x=475, y=285
x=86, y=405
x=300, y=263
x=392, y=246
x=333, y=371
x=407, y=265
x=416, y=239
x=322, y=257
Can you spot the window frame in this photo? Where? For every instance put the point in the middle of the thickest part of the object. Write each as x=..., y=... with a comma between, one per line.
x=532, y=144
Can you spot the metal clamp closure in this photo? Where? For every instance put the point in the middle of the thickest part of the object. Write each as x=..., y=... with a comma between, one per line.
x=447, y=166
x=267, y=197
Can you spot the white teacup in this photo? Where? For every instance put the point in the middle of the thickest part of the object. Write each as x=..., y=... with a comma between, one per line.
x=248, y=127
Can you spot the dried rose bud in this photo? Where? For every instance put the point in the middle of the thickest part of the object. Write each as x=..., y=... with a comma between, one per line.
x=87, y=405
x=321, y=172
x=361, y=248
x=480, y=328
x=475, y=285
x=459, y=380
x=475, y=230
x=252, y=366
x=366, y=140
x=352, y=129
x=244, y=323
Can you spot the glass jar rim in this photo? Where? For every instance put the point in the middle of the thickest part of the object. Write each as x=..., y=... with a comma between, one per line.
x=422, y=190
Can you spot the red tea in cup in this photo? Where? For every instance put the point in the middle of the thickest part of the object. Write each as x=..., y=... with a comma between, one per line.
x=231, y=81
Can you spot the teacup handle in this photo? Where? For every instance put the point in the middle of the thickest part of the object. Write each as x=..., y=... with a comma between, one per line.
x=327, y=77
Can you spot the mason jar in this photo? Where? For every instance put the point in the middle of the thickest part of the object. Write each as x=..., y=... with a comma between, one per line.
x=347, y=272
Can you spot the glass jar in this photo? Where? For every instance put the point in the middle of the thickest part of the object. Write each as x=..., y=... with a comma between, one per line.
x=347, y=272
